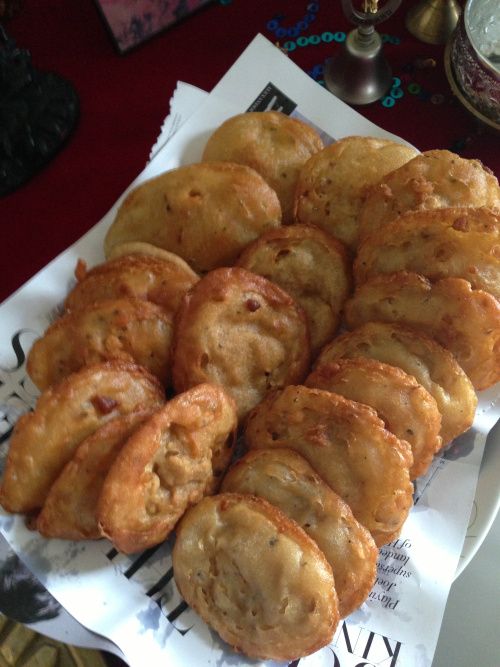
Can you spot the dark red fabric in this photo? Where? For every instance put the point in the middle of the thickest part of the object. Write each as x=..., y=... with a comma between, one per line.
x=124, y=99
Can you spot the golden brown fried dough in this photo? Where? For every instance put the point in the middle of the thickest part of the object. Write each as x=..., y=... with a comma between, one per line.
x=270, y=142
x=347, y=444
x=127, y=329
x=136, y=275
x=440, y=243
x=44, y=440
x=465, y=321
x=240, y=330
x=69, y=511
x=168, y=464
x=311, y=266
x=205, y=212
x=285, y=479
x=255, y=577
x=147, y=249
x=406, y=408
x=331, y=186
x=434, y=179
x=434, y=367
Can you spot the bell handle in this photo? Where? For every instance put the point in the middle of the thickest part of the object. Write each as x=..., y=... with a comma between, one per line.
x=369, y=18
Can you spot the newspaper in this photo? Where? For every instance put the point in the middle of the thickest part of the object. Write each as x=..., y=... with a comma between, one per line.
x=184, y=101
x=132, y=601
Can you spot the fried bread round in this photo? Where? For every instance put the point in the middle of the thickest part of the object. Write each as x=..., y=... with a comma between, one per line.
x=312, y=267
x=406, y=408
x=348, y=445
x=147, y=249
x=255, y=577
x=44, y=440
x=439, y=243
x=332, y=183
x=134, y=275
x=127, y=329
x=270, y=142
x=167, y=464
x=204, y=212
x=463, y=320
x=418, y=355
x=285, y=479
x=69, y=511
x=238, y=329
x=434, y=179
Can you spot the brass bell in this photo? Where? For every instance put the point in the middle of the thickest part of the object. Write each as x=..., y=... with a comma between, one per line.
x=433, y=21
x=360, y=73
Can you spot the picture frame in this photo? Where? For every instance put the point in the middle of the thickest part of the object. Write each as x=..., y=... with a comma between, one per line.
x=132, y=22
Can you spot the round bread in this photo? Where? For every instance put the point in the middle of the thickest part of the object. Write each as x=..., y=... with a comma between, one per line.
x=147, y=249
x=270, y=142
x=331, y=185
x=167, y=464
x=238, y=329
x=44, y=440
x=69, y=511
x=127, y=329
x=418, y=355
x=347, y=444
x=285, y=479
x=205, y=212
x=465, y=321
x=160, y=279
x=255, y=577
x=406, y=408
x=434, y=179
x=439, y=243
x=312, y=267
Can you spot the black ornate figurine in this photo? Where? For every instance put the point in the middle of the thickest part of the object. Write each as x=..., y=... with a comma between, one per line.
x=38, y=111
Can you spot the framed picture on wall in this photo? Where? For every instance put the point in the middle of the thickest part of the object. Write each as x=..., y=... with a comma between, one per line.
x=132, y=22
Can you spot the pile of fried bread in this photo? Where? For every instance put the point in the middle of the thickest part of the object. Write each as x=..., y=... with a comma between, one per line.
x=335, y=306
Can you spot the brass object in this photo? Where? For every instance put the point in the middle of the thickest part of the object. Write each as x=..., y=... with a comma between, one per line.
x=433, y=21
x=359, y=73
x=22, y=647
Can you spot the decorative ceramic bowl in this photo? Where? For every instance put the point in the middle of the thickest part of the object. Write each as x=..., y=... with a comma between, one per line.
x=473, y=56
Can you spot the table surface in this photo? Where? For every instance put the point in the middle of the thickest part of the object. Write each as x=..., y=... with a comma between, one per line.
x=123, y=101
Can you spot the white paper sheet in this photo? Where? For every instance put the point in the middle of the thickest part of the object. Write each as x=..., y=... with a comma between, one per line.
x=133, y=601
x=185, y=100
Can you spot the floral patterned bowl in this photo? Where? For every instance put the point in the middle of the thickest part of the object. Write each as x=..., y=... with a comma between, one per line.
x=472, y=63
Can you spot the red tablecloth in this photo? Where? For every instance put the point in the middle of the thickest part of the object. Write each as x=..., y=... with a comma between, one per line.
x=124, y=99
